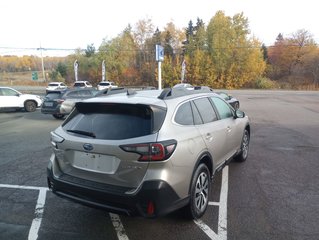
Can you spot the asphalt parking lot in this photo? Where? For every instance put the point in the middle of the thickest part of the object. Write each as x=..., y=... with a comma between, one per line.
x=273, y=195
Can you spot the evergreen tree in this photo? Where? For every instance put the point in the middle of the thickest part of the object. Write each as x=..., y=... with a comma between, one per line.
x=168, y=49
x=265, y=52
x=90, y=50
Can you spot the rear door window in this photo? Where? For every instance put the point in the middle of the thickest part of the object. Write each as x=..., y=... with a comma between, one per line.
x=73, y=94
x=205, y=110
x=85, y=93
x=197, y=118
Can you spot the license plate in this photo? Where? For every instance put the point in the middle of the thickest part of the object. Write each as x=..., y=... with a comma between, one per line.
x=48, y=104
x=95, y=162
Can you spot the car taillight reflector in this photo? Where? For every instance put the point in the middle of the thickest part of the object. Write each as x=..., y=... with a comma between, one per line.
x=150, y=208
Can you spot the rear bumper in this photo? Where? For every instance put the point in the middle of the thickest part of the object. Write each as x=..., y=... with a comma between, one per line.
x=154, y=198
x=50, y=110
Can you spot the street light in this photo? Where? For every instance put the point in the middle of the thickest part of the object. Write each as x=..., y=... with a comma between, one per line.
x=42, y=62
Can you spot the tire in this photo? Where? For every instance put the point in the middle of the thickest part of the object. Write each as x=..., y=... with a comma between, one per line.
x=58, y=116
x=243, y=155
x=30, y=106
x=199, y=192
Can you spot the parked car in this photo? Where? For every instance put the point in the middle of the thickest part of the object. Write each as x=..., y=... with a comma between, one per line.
x=105, y=85
x=13, y=99
x=52, y=86
x=146, y=152
x=82, y=84
x=230, y=99
x=54, y=100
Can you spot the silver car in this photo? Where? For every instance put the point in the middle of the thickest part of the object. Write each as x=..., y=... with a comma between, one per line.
x=146, y=152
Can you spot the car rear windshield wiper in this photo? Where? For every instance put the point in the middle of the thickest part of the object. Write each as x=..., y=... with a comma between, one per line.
x=90, y=134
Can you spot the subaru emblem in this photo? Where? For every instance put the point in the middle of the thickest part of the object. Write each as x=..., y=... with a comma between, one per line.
x=88, y=147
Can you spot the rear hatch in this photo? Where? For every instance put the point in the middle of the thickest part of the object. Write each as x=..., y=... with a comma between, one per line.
x=52, y=100
x=93, y=136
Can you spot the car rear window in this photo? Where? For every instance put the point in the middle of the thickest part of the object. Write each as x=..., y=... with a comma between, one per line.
x=53, y=95
x=114, y=121
x=79, y=84
x=104, y=84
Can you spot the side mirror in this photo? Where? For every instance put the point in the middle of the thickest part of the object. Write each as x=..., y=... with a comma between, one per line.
x=239, y=114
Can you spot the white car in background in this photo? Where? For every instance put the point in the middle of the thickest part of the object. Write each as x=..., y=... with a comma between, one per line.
x=53, y=86
x=13, y=99
x=82, y=84
x=106, y=85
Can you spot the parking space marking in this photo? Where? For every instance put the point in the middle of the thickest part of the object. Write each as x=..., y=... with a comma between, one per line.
x=116, y=221
x=117, y=224
x=222, y=216
x=35, y=226
x=36, y=222
x=23, y=187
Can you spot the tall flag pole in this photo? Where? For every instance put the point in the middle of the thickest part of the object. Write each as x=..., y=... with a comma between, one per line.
x=103, y=71
x=159, y=50
x=76, y=66
x=183, y=71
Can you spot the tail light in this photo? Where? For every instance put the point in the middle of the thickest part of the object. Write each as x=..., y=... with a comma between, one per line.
x=59, y=101
x=157, y=151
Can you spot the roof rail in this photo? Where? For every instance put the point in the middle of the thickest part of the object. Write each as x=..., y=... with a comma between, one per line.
x=169, y=93
x=130, y=92
x=111, y=91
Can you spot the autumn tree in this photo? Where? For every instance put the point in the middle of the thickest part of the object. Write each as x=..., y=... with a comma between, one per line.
x=171, y=71
x=176, y=37
x=290, y=58
x=236, y=59
x=119, y=55
x=311, y=67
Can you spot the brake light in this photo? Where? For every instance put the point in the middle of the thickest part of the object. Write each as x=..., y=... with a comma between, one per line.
x=158, y=151
x=59, y=101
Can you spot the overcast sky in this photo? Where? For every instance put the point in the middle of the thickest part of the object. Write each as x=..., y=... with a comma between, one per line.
x=75, y=24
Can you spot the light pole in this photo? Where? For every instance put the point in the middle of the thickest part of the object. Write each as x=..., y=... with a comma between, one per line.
x=159, y=55
x=42, y=63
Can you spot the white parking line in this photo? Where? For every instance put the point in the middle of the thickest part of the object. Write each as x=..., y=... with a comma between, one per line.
x=36, y=222
x=116, y=221
x=22, y=187
x=117, y=224
x=222, y=217
x=35, y=226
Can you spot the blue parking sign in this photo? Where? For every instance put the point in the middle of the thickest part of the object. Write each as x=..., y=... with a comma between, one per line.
x=159, y=53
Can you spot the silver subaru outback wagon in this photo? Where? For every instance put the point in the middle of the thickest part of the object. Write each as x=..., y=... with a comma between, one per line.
x=146, y=152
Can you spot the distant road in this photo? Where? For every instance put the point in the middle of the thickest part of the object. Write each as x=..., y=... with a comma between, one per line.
x=29, y=89
x=41, y=89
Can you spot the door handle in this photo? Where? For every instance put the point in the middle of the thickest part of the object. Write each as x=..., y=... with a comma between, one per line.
x=209, y=137
x=228, y=129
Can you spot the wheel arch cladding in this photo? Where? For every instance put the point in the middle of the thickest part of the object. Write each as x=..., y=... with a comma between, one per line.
x=206, y=159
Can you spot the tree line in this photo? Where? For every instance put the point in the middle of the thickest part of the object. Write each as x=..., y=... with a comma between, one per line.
x=219, y=54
